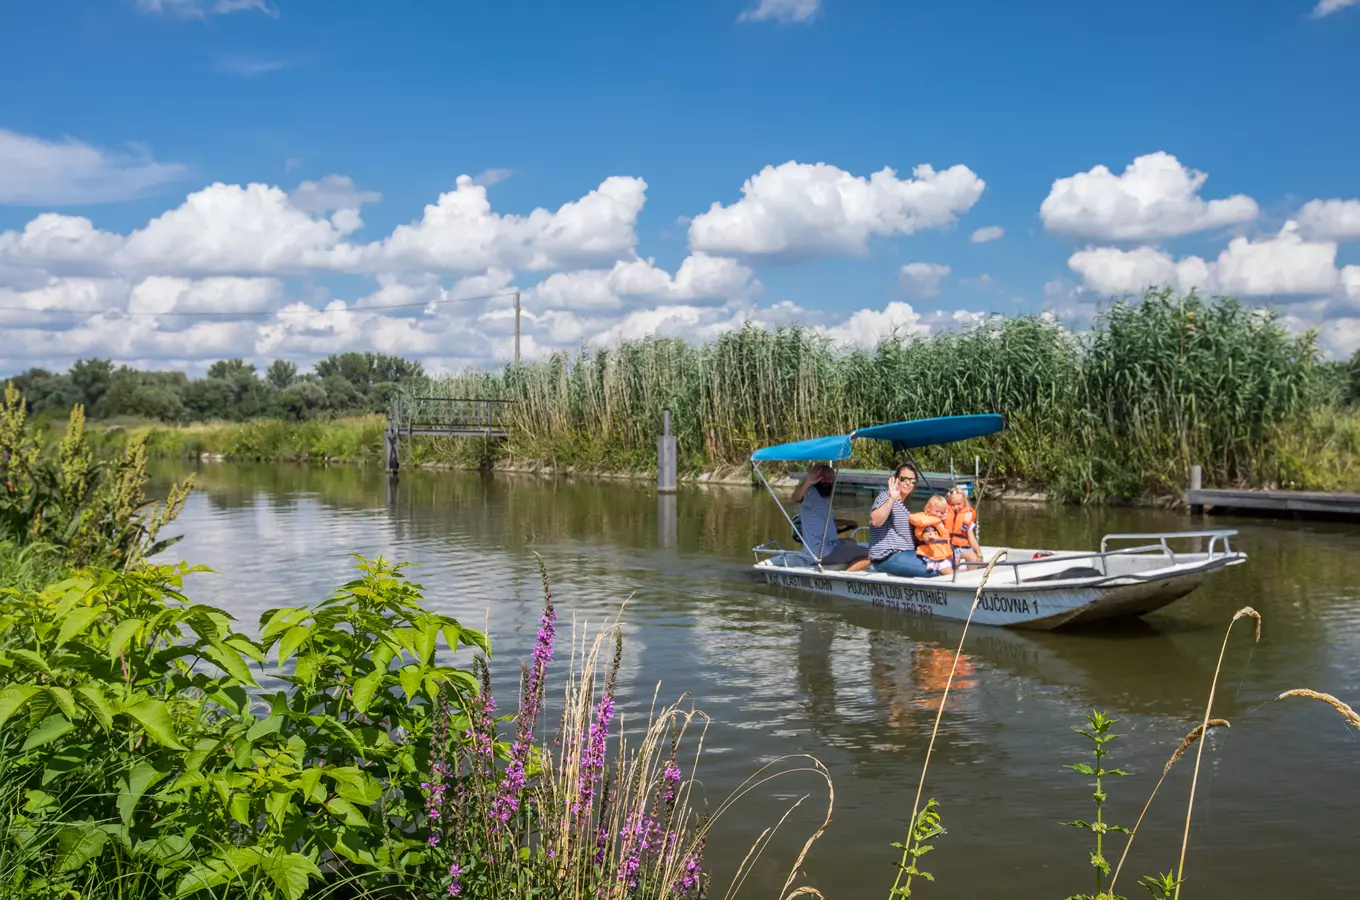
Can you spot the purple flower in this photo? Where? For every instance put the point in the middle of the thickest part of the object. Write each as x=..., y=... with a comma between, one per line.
x=434, y=839
x=455, y=883
x=691, y=876
x=507, y=803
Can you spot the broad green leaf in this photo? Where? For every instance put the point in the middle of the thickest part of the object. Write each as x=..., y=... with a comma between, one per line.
x=77, y=621
x=78, y=844
x=279, y=620
x=239, y=807
x=427, y=641
x=13, y=697
x=310, y=780
x=122, y=635
x=290, y=873
x=65, y=702
x=167, y=848
x=271, y=725
x=292, y=639
x=381, y=657
x=34, y=661
x=48, y=730
x=141, y=779
x=343, y=809
x=355, y=846
x=154, y=716
x=218, y=871
x=306, y=666
x=410, y=680
x=246, y=648
x=365, y=687
x=229, y=661
x=451, y=632
x=354, y=784
x=477, y=639
x=202, y=750
x=276, y=805
x=93, y=699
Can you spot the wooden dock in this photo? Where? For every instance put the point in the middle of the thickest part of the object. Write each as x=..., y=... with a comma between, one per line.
x=1299, y=503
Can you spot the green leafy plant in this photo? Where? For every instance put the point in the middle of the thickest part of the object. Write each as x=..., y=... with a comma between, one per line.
x=1099, y=735
x=131, y=735
x=96, y=510
x=926, y=827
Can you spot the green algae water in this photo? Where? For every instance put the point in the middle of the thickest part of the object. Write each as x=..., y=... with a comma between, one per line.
x=784, y=673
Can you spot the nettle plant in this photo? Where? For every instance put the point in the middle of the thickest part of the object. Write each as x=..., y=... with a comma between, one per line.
x=1099, y=736
x=135, y=739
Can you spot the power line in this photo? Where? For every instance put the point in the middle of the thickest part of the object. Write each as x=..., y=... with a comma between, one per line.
x=263, y=313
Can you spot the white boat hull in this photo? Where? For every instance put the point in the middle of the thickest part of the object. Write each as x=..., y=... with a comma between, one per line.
x=1057, y=590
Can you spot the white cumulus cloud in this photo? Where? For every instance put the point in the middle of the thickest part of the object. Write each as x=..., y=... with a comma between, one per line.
x=786, y=11
x=199, y=9
x=37, y=171
x=1332, y=220
x=1327, y=7
x=1283, y=264
x=990, y=233
x=1156, y=197
x=922, y=279
x=797, y=211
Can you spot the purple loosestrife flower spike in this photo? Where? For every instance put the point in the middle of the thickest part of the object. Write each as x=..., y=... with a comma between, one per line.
x=506, y=803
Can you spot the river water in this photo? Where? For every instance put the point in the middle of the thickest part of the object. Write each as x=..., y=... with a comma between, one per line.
x=857, y=687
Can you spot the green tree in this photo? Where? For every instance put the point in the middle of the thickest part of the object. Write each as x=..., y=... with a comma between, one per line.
x=281, y=373
x=227, y=368
x=91, y=378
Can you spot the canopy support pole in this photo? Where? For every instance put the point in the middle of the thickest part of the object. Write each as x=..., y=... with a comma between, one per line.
x=830, y=514
x=996, y=448
x=755, y=465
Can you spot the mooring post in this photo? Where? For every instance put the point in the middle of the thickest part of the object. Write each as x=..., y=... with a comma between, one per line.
x=390, y=449
x=667, y=521
x=665, y=455
x=1196, y=485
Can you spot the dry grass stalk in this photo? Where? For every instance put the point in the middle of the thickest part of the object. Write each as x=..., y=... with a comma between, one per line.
x=1195, y=734
x=939, y=713
x=1199, y=752
x=1347, y=713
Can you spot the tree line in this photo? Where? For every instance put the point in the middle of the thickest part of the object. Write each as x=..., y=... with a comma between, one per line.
x=339, y=385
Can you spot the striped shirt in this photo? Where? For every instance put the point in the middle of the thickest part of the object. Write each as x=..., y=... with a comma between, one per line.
x=894, y=534
x=819, y=538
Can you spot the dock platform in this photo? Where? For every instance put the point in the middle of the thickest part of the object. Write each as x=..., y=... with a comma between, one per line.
x=1303, y=504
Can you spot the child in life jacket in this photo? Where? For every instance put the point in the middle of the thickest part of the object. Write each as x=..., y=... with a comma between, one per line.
x=932, y=536
x=961, y=523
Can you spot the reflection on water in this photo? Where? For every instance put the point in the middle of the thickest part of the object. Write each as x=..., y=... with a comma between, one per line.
x=784, y=672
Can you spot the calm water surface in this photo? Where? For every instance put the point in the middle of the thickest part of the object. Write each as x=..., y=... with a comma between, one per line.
x=784, y=673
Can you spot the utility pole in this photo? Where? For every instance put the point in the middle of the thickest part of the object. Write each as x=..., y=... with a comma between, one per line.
x=517, y=329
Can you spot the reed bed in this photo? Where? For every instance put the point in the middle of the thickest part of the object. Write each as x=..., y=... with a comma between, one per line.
x=1122, y=411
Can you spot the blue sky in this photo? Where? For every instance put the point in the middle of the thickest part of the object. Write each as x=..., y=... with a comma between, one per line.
x=117, y=110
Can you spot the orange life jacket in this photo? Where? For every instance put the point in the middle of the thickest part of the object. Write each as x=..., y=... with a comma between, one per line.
x=932, y=540
x=960, y=524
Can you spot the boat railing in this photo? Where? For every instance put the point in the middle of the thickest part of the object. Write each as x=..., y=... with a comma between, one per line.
x=1217, y=539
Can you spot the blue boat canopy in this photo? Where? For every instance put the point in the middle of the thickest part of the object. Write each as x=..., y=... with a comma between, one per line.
x=903, y=435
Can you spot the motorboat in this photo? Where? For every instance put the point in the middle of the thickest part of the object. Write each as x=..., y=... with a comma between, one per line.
x=1131, y=574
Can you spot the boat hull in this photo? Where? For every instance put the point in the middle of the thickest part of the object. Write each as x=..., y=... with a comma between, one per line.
x=1040, y=606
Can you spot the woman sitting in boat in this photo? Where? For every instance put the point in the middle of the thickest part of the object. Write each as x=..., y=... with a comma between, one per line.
x=931, y=533
x=815, y=526
x=892, y=548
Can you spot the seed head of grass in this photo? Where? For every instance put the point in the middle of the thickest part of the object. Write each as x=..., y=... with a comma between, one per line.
x=1190, y=739
x=1347, y=713
x=1248, y=611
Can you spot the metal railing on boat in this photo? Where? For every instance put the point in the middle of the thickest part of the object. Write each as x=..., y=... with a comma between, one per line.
x=1216, y=538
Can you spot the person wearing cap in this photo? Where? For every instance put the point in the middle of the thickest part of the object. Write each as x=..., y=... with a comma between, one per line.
x=817, y=527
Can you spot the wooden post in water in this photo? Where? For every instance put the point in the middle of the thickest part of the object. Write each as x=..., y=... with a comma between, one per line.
x=1196, y=485
x=665, y=456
